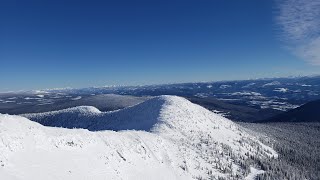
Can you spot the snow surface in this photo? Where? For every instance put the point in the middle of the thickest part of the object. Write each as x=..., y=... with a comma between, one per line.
x=224, y=86
x=166, y=137
x=282, y=90
x=253, y=173
x=76, y=98
x=273, y=83
x=245, y=93
x=248, y=85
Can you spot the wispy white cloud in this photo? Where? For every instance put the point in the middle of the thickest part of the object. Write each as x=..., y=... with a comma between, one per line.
x=299, y=21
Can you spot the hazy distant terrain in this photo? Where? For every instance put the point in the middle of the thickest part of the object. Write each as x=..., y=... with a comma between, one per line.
x=32, y=103
x=234, y=111
x=308, y=112
x=246, y=100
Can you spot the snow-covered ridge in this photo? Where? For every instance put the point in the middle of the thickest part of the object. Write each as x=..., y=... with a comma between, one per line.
x=79, y=109
x=176, y=140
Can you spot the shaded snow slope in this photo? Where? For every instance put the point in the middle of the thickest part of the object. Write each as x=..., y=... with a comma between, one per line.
x=140, y=117
x=76, y=117
x=168, y=138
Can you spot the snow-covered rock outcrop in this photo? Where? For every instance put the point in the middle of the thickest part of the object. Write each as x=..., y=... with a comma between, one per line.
x=166, y=137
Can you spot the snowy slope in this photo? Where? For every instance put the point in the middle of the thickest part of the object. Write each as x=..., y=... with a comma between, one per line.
x=166, y=137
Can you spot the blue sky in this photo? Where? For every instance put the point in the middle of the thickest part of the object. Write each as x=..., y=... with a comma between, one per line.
x=46, y=44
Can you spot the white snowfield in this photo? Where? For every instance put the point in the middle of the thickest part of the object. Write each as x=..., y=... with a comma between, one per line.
x=166, y=137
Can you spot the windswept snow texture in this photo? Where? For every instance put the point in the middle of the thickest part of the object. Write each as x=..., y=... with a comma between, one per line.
x=166, y=137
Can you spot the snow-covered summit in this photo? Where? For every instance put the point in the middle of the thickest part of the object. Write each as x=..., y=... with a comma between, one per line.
x=144, y=116
x=152, y=115
x=166, y=137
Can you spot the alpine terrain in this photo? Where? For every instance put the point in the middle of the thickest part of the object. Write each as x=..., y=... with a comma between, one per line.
x=166, y=137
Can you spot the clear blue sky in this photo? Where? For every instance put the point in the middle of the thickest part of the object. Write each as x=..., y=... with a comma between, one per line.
x=46, y=44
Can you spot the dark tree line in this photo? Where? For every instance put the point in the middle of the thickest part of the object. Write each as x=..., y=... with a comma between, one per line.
x=298, y=145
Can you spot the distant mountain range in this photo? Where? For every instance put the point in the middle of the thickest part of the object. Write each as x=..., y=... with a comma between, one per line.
x=242, y=100
x=309, y=112
x=235, y=112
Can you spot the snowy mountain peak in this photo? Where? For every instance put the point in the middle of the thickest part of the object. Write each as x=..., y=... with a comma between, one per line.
x=157, y=113
x=80, y=109
x=166, y=137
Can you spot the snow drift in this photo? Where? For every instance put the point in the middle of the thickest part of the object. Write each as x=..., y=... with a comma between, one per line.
x=166, y=137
